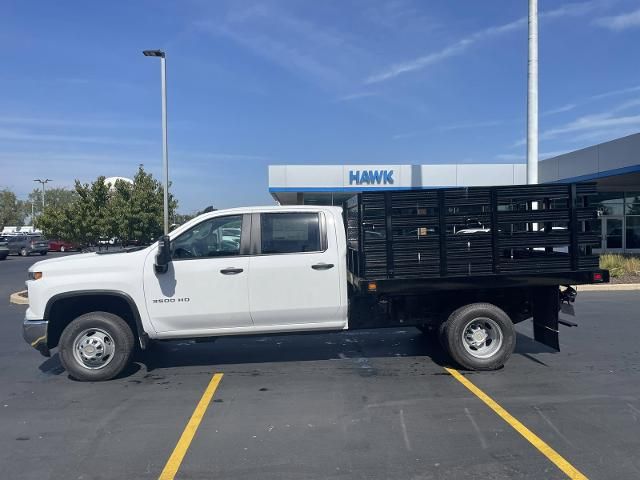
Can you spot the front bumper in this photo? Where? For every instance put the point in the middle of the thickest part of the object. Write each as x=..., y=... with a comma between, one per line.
x=34, y=333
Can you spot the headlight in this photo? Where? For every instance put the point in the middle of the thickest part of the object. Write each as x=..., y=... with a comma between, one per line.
x=35, y=275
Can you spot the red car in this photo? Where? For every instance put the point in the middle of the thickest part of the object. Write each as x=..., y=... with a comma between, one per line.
x=62, y=246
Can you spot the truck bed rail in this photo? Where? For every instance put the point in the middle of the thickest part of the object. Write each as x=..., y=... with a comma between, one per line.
x=475, y=231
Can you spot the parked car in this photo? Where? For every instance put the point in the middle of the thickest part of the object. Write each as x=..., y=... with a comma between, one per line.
x=62, y=246
x=26, y=244
x=4, y=248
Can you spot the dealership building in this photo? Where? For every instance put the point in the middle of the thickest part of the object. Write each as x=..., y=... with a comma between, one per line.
x=614, y=166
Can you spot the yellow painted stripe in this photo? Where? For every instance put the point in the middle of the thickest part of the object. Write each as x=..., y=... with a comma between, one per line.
x=173, y=464
x=572, y=472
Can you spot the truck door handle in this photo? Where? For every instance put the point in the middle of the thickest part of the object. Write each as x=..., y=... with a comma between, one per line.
x=322, y=266
x=231, y=271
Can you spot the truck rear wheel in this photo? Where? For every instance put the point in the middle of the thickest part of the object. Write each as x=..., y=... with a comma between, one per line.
x=479, y=336
x=96, y=346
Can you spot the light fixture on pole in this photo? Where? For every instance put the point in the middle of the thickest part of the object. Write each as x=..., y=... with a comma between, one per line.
x=165, y=150
x=43, y=182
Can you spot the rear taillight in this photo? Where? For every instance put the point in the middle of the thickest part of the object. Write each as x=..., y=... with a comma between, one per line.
x=597, y=277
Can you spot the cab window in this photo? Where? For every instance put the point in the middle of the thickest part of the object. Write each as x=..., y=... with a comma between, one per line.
x=290, y=232
x=215, y=237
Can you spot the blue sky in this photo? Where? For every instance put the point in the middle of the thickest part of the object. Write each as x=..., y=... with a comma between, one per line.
x=296, y=82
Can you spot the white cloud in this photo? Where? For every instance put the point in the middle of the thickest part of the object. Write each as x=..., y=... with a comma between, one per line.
x=551, y=154
x=296, y=44
x=447, y=128
x=510, y=157
x=620, y=22
x=463, y=44
x=356, y=96
x=593, y=122
x=219, y=156
x=20, y=135
x=464, y=126
x=609, y=121
x=554, y=111
x=400, y=136
x=612, y=93
x=602, y=135
x=69, y=122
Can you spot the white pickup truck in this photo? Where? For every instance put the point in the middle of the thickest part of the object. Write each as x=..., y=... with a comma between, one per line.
x=264, y=270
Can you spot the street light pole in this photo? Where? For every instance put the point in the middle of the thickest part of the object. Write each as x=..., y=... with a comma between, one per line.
x=165, y=145
x=43, y=182
x=532, y=96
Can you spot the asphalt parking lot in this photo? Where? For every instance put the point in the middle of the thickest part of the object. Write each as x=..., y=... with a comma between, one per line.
x=368, y=404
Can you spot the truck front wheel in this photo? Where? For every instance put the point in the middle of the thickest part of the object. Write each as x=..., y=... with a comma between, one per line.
x=96, y=346
x=479, y=336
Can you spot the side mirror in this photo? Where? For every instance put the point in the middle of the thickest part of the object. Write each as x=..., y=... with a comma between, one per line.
x=163, y=257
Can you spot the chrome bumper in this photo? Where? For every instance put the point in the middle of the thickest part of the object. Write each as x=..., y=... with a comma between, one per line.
x=34, y=333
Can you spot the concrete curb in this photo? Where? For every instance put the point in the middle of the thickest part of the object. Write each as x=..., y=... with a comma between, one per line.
x=19, y=298
x=608, y=287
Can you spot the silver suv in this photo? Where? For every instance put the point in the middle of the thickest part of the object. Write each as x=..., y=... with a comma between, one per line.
x=26, y=244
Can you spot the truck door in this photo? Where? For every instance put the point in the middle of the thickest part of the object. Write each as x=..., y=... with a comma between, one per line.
x=295, y=277
x=206, y=285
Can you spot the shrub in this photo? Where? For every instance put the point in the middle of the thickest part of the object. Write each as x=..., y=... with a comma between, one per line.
x=619, y=265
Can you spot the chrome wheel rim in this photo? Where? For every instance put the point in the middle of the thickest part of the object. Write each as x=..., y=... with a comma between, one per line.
x=94, y=348
x=482, y=337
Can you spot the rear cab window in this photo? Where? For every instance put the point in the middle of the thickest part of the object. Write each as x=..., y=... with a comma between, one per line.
x=291, y=232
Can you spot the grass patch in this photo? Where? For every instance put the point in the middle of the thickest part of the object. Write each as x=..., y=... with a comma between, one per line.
x=620, y=265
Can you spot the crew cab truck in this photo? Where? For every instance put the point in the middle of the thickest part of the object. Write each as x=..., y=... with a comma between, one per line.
x=387, y=259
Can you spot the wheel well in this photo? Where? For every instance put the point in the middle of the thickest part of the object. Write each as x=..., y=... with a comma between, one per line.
x=65, y=310
x=515, y=302
x=433, y=309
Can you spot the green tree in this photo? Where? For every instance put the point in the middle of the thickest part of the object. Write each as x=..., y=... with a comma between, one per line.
x=83, y=220
x=146, y=207
x=11, y=211
x=54, y=197
x=125, y=212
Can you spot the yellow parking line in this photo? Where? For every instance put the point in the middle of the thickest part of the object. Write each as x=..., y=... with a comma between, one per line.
x=572, y=472
x=173, y=464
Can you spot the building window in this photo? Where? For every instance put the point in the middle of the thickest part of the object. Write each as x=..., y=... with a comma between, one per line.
x=632, y=203
x=633, y=231
x=611, y=203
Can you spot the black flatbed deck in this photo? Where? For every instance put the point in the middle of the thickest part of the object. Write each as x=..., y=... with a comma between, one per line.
x=493, y=281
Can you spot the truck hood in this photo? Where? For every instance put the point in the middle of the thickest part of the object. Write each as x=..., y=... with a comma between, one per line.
x=84, y=261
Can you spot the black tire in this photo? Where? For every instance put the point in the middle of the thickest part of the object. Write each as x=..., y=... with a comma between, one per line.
x=24, y=252
x=453, y=329
x=43, y=253
x=117, y=330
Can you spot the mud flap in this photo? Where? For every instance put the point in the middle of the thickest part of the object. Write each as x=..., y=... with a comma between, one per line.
x=546, y=304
